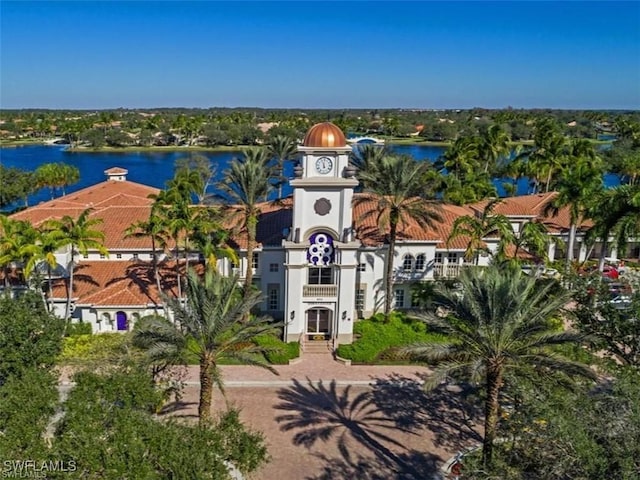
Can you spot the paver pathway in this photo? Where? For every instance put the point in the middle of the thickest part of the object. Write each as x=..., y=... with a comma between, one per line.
x=314, y=367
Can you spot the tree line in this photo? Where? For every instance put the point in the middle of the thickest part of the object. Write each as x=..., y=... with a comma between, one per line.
x=233, y=127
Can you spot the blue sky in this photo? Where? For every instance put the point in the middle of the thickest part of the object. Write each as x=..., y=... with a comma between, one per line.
x=93, y=55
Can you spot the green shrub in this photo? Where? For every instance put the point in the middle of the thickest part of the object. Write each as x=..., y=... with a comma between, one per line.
x=103, y=347
x=279, y=352
x=78, y=329
x=376, y=338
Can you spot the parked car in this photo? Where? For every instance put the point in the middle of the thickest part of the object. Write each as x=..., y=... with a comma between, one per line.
x=610, y=272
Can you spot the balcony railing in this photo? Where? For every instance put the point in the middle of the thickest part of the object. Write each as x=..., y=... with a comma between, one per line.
x=319, y=291
x=448, y=271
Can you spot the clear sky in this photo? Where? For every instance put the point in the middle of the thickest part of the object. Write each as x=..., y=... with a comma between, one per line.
x=91, y=55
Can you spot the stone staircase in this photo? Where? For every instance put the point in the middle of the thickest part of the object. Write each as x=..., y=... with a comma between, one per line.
x=312, y=347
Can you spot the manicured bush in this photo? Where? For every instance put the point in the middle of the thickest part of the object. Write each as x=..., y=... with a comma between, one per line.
x=82, y=349
x=78, y=329
x=279, y=352
x=376, y=339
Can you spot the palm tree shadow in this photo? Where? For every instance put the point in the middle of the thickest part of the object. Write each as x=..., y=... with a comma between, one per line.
x=450, y=412
x=322, y=413
x=423, y=465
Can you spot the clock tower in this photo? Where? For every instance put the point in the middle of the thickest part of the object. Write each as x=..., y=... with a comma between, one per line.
x=321, y=249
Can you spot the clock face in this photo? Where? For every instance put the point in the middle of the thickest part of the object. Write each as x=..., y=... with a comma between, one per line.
x=324, y=165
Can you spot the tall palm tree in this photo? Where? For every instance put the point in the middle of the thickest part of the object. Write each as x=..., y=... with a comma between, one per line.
x=154, y=228
x=549, y=152
x=49, y=241
x=499, y=325
x=283, y=148
x=81, y=235
x=534, y=238
x=177, y=216
x=460, y=158
x=210, y=327
x=394, y=196
x=210, y=238
x=493, y=145
x=366, y=158
x=579, y=182
x=476, y=229
x=246, y=183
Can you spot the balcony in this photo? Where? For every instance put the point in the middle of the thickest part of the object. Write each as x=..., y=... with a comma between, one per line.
x=319, y=291
x=448, y=271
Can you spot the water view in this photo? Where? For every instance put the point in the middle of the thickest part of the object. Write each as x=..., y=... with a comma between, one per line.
x=155, y=168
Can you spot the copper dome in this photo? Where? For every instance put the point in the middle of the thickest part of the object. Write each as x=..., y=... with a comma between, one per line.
x=324, y=135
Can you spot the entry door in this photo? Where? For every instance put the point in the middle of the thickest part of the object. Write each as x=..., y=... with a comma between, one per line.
x=121, y=321
x=318, y=323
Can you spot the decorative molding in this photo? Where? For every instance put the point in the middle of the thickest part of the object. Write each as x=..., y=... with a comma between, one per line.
x=322, y=206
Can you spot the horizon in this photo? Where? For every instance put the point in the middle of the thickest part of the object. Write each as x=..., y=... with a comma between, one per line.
x=94, y=56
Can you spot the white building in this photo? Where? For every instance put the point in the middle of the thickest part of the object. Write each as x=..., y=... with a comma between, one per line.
x=319, y=264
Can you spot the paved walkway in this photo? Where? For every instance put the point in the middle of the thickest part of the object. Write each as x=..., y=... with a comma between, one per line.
x=314, y=367
x=323, y=420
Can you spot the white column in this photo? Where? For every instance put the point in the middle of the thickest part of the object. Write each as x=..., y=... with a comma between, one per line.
x=613, y=253
x=582, y=254
x=551, y=251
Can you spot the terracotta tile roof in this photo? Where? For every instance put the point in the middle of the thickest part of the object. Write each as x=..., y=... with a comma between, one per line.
x=532, y=205
x=274, y=218
x=368, y=232
x=119, y=204
x=119, y=283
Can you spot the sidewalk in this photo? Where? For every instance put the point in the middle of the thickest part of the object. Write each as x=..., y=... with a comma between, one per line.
x=314, y=367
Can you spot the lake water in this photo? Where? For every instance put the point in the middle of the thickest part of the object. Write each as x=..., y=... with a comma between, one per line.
x=156, y=168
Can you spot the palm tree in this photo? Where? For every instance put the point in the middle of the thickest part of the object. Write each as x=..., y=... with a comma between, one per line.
x=580, y=181
x=609, y=210
x=366, y=158
x=49, y=241
x=204, y=174
x=394, y=196
x=492, y=146
x=210, y=327
x=153, y=228
x=476, y=229
x=282, y=148
x=246, y=183
x=549, y=152
x=499, y=325
x=460, y=158
x=17, y=246
x=533, y=237
x=81, y=235
x=210, y=238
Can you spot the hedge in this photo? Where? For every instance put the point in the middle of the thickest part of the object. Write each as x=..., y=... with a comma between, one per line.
x=375, y=338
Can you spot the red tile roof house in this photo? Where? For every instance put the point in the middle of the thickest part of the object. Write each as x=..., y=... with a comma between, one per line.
x=318, y=264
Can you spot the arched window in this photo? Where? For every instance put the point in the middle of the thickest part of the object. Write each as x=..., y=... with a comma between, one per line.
x=407, y=263
x=420, y=262
x=105, y=317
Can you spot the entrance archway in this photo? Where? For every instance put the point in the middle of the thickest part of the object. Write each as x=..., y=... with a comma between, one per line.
x=318, y=323
x=121, y=321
